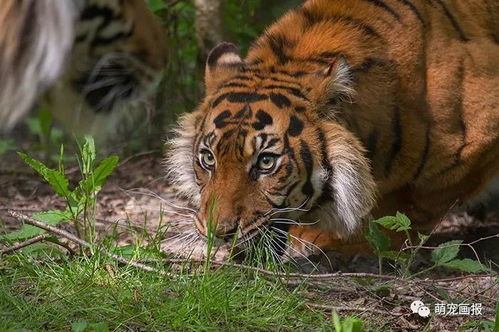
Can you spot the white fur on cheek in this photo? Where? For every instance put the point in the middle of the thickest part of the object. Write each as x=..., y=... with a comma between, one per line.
x=179, y=159
x=352, y=186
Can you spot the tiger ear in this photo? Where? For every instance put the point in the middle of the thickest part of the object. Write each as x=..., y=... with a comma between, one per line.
x=352, y=188
x=222, y=61
x=332, y=85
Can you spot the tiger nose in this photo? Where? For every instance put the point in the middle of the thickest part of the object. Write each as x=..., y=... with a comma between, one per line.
x=222, y=230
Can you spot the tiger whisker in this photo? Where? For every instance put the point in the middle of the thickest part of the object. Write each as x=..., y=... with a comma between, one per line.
x=150, y=193
x=91, y=86
x=294, y=249
x=266, y=236
x=304, y=242
x=287, y=221
x=275, y=211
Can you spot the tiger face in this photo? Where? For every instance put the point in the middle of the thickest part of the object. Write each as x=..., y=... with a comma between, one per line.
x=255, y=155
x=88, y=57
x=118, y=53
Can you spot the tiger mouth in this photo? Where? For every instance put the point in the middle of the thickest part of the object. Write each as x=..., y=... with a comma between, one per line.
x=273, y=237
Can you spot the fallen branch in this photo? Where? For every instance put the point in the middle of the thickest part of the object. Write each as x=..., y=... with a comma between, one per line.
x=23, y=244
x=72, y=238
x=279, y=274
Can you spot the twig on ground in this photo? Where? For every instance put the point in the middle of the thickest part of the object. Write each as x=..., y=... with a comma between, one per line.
x=275, y=273
x=72, y=238
x=23, y=244
x=343, y=308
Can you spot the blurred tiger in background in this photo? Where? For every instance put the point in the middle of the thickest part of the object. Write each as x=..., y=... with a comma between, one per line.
x=86, y=56
x=343, y=111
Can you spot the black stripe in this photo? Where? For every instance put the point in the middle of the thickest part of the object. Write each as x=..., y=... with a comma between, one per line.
x=234, y=85
x=453, y=21
x=91, y=12
x=239, y=97
x=242, y=78
x=279, y=80
x=369, y=63
x=280, y=100
x=263, y=120
x=372, y=142
x=295, y=74
x=414, y=10
x=277, y=43
x=272, y=142
x=369, y=30
x=384, y=6
x=313, y=18
x=99, y=40
x=308, y=161
x=295, y=126
x=289, y=169
x=424, y=155
x=295, y=92
x=397, y=141
x=325, y=159
x=219, y=121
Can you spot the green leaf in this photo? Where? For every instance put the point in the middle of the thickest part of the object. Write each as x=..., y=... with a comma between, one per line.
x=352, y=324
x=446, y=252
x=337, y=322
x=99, y=176
x=467, y=265
x=45, y=118
x=56, y=179
x=29, y=231
x=403, y=222
x=399, y=222
x=79, y=326
x=377, y=239
x=88, y=155
x=388, y=222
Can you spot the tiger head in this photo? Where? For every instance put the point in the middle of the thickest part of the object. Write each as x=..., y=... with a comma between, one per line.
x=118, y=53
x=87, y=56
x=260, y=150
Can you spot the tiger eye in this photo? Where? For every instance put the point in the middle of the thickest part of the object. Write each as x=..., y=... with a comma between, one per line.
x=266, y=162
x=207, y=159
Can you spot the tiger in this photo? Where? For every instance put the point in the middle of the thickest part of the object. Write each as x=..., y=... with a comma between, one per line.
x=84, y=57
x=341, y=112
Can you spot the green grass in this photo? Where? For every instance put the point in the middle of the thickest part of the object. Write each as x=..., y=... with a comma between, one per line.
x=54, y=295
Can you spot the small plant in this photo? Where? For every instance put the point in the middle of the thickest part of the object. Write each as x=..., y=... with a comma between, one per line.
x=349, y=324
x=80, y=200
x=442, y=256
x=49, y=138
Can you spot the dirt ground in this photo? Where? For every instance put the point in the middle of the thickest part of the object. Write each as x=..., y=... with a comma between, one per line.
x=137, y=197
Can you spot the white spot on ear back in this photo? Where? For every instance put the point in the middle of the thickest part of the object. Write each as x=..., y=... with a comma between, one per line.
x=229, y=59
